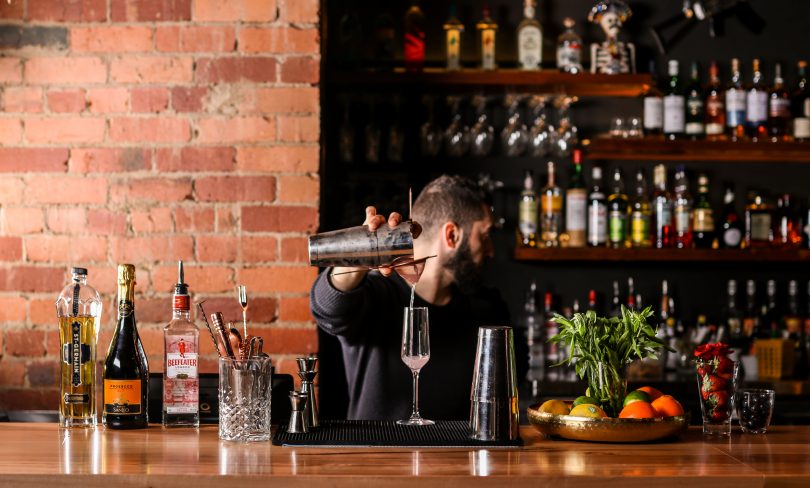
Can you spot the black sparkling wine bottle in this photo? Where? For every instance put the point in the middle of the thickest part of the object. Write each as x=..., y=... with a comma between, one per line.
x=126, y=371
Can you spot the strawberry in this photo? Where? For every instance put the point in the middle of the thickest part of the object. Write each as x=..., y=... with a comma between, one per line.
x=713, y=383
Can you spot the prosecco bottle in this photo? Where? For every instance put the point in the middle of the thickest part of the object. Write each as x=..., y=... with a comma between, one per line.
x=126, y=371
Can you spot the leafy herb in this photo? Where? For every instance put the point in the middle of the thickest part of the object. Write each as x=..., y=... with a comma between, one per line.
x=601, y=348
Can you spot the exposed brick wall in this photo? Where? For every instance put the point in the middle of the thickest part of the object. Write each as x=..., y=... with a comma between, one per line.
x=148, y=131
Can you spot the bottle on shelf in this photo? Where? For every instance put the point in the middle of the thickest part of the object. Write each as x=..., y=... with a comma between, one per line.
x=551, y=350
x=732, y=227
x=576, y=205
x=550, y=210
x=597, y=210
x=618, y=205
x=530, y=38
x=569, y=49
x=653, y=106
x=779, y=108
x=527, y=216
x=640, y=214
x=800, y=105
x=703, y=221
x=414, y=51
x=758, y=221
x=78, y=309
x=385, y=34
x=715, y=106
x=592, y=305
x=664, y=312
x=630, y=301
x=751, y=315
x=181, y=340
x=756, y=113
x=682, y=210
x=695, y=127
x=674, y=104
x=486, y=39
x=454, y=31
x=736, y=101
x=616, y=300
x=126, y=370
x=732, y=317
x=535, y=338
x=666, y=328
x=792, y=320
x=787, y=228
x=662, y=209
x=769, y=315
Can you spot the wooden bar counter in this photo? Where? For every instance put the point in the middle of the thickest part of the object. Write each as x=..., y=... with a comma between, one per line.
x=42, y=455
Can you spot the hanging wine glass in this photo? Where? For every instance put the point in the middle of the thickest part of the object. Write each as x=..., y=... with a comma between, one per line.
x=567, y=137
x=430, y=135
x=372, y=133
x=346, y=135
x=539, y=134
x=514, y=136
x=482, y=134
x=457, y=134
x=396, y=136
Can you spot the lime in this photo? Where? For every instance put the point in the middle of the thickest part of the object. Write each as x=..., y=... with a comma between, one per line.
x=587, y=410
x=584, y=399
x=636, y=396
x=554, y=407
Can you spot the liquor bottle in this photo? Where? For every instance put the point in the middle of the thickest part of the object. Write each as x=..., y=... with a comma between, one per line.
x=551, y=350
x=682, y=210
x=181, y=384
x=653, y=106
x=703, y=220
x=530, y=38
x=78, y=309
x=535, y=339
x=616, y=300
x=126, y=371
x=758, y=221
x=569, y=49
x=662, y=209
x=800, y=105
x=664, y=312
x=592, y=305
x=750, y=316
x=736, y=101
x=715, y=106
x=674, y=104
x=550, y=211
x=527, y=216
x=618, y=205
x=576, y=205
x=385, y=34
x=695, y=112
x=732, y=227
x=769, y=315
x=414, y=38
x=597, y=211
x=630, y=301
x=732, y=317
x=756, y=113
x=640, y=214
x=779, y=108
x=787, y=228
x=453, y=29
x=792, y=320
x=486, y=38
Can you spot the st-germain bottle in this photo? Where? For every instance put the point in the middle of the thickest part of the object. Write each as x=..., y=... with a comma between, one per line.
x=486, y=39
x=703, y=219
x=800, y=105
x=530, y=38
x=569, y=49
x=414, y=51
x=527, y=214
x=735, y=103
x=454, y=29
x=662, y=209
x=674, y=104
x=779, y=108
x=732, y=226
x=550, y=211
x=597, y=210
x=715, y=106
x=756, y=113
x=695, y=114
x=682, y=210
x=618, y=205
x=576, y=201
x=640, y=214
x=653, y=107
x=181, y=340
x=126, y=371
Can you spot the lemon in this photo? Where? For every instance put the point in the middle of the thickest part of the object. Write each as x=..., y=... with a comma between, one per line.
x=585, y=399
x=554, y=407
x=587, y=410
x=636, y=396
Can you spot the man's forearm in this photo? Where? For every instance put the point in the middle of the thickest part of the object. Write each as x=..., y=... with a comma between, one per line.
x=347, y=279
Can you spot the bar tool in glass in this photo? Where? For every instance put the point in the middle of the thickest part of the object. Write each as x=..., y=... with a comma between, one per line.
x=245, y=387
x=298, y=403
x=306, y=371
x=243, y=302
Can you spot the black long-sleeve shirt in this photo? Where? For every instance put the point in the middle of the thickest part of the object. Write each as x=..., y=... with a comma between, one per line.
x=368, y=322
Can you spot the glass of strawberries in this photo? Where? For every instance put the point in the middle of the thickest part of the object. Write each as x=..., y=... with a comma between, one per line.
x=717, y=377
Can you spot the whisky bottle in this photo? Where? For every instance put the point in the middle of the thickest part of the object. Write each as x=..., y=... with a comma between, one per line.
x=756, y=114
x=126, y=371
x=695, y=109
x=414, y=51
x=527, y=215
x=779, y=108
x=653, y=106
x=800, y=105
x=682, y=210
x=640, y=214
x=486, y=39
x=550, y=210
x=569, y=49
x=735, y=103
x=758, y=221
x=732, y=228
x=181, y=384
x=703, y=220
x=617, y=213
x=530, y=38
x=78, y=309
x=576, y=203
x=662, y=209
x=597, y=210
x=674, y=104
x=787, y=233
x=453, y=29
x=715, y=107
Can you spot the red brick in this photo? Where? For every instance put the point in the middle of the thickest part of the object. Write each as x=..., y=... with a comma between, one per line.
x=17, y=221
x=13, y=309
x=82, y=190
x=149, y=99
x=25, y=343
x=188, y=99
x=295, y=309
x=278, y=158
x=280, y=40
x=64, y=101
x=12, y=373
x=66, y=249
x=287, y=340
x=105, y=280
x=217, y=248
x=289, y=100
x=111, y=39
x=41, y=311
x=299, y=128
x=233, y=10
x=153, y=220
x=195, y=38
x=152, y=190
x=64, y=130
x=208, y=279
x=151, y=69
x=300, y=70
x=65, y=70
x=196, y=159
x=299, y=11
x=236, y=129
x=233, y=69
x=19, y=160
x=101, y=221
x=107, y=100
x=298, y=188
x=32, y=279
x=10, y=131
x=153, y=310
x=294, y=250
x=109, y=160
x=258, y=249
x=22, y=99
x=28, y=399
x=67, y=220
x=10, y=249
x=68, y=10
x=43, y=373
x=150, y=10
x=10, y=69
x=11, y=190
x=152, y=249
x=289, y=279
x=194, y=219
x=279, y=219
x=11, y=11
x=260, y=309
x=227, y=220
x=53, y=343
x=152, y=129
x=236, y=189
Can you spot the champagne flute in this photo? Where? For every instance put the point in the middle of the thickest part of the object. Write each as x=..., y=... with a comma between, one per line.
x=415, y=354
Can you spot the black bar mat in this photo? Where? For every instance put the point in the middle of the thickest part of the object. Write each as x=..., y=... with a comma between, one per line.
x=377, y=433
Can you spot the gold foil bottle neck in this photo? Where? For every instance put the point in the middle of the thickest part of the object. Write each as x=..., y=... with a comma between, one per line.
x=126, y=282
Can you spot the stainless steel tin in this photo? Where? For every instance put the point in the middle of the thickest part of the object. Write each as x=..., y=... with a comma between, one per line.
x=357, y=247
x=494, y=413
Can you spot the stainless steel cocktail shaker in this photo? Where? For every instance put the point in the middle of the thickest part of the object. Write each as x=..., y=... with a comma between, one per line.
x=358, y=247
x=494, y=411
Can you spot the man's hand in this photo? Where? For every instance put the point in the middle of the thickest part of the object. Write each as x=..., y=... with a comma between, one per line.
x=374, y=221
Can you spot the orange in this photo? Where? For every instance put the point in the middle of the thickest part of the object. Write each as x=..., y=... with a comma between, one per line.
x=638, y=410
x=654, y=394
x=667, y=406
x=587, y=410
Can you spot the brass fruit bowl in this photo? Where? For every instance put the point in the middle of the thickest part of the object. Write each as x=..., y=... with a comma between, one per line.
x=607, y=429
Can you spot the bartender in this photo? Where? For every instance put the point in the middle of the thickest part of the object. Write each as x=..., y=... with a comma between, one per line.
x=364, y=310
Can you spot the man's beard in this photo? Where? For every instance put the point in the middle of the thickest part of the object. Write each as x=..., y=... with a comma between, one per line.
x=466, y=274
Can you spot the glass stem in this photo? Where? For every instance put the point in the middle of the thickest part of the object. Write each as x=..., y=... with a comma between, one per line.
x=415, y=412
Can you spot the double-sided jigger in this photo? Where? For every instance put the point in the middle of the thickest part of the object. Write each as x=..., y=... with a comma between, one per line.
x=298, y=402
x=307, y=372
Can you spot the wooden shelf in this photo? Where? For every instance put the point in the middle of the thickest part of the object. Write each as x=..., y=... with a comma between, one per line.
x=684, y=150
x=663, y=255
x=543, y=81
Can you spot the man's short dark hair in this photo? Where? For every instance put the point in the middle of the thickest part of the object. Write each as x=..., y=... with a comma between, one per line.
x=449, y=198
